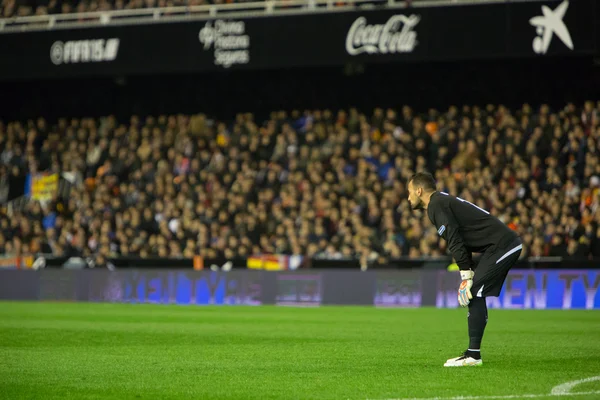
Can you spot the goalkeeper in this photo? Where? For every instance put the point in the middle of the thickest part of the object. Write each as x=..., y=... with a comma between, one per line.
x=467, y=229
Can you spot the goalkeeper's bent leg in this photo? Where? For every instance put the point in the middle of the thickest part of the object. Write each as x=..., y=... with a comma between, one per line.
x=477, y=318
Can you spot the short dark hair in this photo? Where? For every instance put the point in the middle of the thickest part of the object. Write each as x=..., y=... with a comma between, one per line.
x=424, y=180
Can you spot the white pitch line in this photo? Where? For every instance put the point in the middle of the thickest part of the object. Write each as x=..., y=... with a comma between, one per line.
x=557, y=391
x=568, y=386
x=512, y=396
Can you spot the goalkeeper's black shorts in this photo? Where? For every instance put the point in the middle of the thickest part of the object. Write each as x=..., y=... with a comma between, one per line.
x=493, y=267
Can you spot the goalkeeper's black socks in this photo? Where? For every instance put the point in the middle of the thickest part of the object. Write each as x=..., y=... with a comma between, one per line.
x=477, y=321
x=476, y=354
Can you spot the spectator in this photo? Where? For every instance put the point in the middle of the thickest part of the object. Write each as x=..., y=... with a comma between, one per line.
x=23, y=8
x=319, y=183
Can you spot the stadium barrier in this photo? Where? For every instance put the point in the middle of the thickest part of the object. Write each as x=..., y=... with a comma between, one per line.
x=393, y=33
x=276, y=262
x=539, y=289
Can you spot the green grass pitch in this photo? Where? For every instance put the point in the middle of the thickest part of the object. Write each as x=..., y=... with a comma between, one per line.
x=124, y=351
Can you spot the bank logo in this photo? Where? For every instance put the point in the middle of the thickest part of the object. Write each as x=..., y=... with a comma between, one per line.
x=549, y=24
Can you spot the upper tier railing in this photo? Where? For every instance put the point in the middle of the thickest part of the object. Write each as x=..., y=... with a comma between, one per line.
x=170, y=14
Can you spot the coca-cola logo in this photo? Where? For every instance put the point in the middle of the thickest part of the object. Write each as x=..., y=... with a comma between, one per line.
x=397, y=35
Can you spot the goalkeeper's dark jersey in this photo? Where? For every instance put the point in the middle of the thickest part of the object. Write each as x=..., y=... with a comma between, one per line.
x=466, y=227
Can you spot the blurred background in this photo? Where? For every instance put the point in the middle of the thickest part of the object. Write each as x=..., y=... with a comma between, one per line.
x=281, y=134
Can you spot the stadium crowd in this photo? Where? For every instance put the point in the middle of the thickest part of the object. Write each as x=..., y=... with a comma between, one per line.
x=315, y=183
x=23, y=8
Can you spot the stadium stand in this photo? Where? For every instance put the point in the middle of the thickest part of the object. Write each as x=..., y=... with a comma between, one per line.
x=318, y=183
x=24, y=8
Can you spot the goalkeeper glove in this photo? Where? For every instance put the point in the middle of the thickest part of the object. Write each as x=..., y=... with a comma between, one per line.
x=464, y=291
